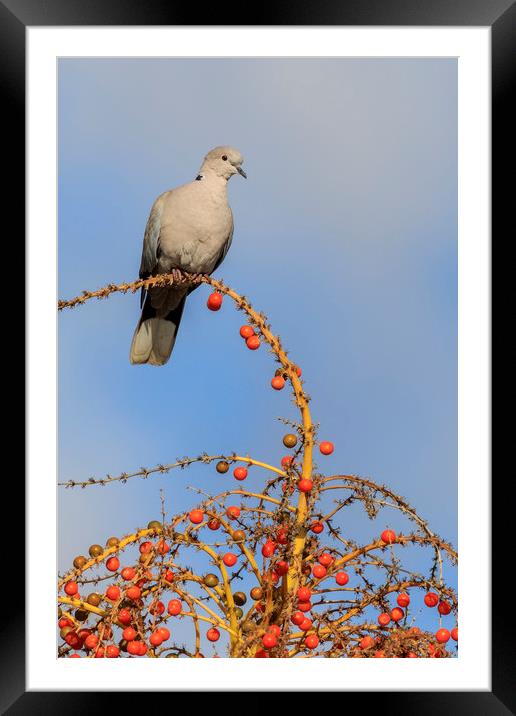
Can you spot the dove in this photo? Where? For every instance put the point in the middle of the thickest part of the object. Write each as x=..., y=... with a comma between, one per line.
x=190, y=228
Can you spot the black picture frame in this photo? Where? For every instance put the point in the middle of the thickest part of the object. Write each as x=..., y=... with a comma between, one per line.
x=500, y=16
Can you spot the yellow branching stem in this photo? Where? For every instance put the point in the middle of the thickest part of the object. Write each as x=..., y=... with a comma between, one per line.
x=282, y=522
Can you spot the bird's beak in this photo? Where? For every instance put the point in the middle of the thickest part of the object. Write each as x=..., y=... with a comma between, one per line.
x=241, y=172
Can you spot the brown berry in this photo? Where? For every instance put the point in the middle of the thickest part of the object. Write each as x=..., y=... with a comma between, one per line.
x=94, y=599
x=155, y=525
x=290, y=440
x=239, y=598
x=211, y=580
x=256, y=593
x=96, y=550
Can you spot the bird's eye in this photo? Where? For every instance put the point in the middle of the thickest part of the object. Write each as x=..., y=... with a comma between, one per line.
x=224, y=158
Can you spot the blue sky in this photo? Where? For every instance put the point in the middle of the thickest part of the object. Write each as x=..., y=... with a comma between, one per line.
x=345, y=235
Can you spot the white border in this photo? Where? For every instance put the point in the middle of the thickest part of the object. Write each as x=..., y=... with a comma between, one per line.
x=471, y=671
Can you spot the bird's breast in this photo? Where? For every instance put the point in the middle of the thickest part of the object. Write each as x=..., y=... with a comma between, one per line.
x=193, y=233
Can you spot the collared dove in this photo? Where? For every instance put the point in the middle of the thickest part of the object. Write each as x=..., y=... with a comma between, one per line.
x=189, y=228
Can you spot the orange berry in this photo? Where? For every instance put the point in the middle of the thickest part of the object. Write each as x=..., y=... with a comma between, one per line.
x=326, y=448
x=246, y=331
x=278, y=382
x=253, y=342
x=214, y=301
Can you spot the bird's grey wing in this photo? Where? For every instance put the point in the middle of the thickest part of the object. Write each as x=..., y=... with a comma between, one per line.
x=150, y=250
x=224, y=251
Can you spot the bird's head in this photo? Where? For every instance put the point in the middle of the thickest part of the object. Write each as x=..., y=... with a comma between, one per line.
x=223, y=162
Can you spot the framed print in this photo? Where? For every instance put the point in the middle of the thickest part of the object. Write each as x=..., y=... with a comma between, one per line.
x=306, y=478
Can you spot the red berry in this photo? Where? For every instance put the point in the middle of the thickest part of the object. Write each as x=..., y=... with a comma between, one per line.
x=326, y=448
x=282, y=536
x=304, y=485
x=317, y=527
x=268, y=549
x=319, y=571
x=431, y=599
x=213, y=634
x=73, y=640
x=133, y=593
x=261, y=654
x=411, y=655
x=128, y=573
x=388, y=536
x=129, y=634
x=71, y=588
x=304, y=594
x=278, y=382
x=442, y=635
x=311, y=641
x=397, y=614
x=455, y=633
x=379, y=655
x=229, y=559
x=113, y=593
x=124, y=616
x=146, y=547
x=281, y=568
x=174, y=607
x=384, y=619
x=91, y=641
x=214, y=524
x=306, y=624
x=155, y=638
x=113, y=563
x=165, y=634
x=325, y=559
x=196, y=517
x=157, y=608
x=240, y=473
x=112, y=651
x=287, y=461
x=297, y=618
x=269, y=640
x=366, y=642
x=342, y=578
x=274, y=629
x=403, y=599
x=298, y=370
x=304, y=606
x=444, y=608
x=246, y=331
x=253, y=342
x=162, y=547
x=133, y=648
x=214, y=301
x=233, y=512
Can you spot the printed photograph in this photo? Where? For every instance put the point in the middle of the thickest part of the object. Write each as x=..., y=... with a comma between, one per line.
x=257, y=358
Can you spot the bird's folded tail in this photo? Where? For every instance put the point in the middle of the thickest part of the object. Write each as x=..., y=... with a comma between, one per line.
x=155, y=336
